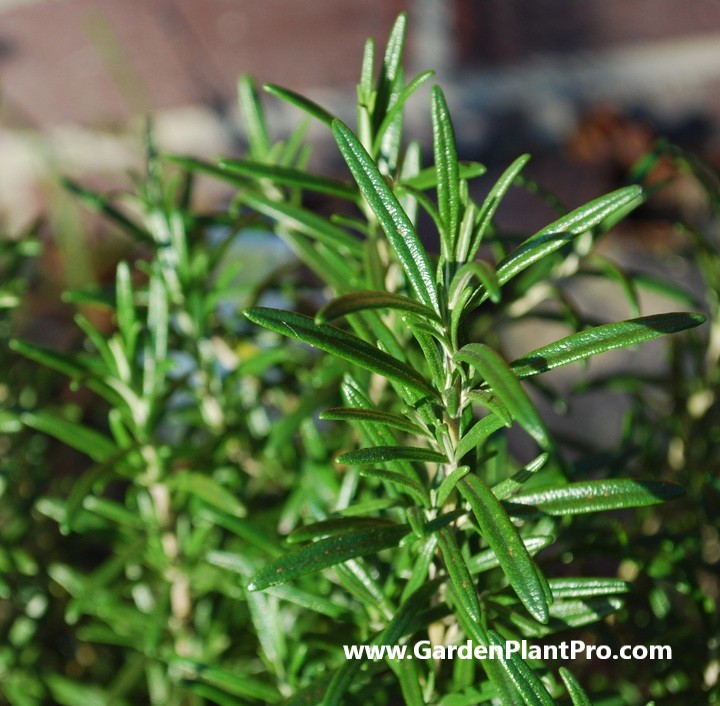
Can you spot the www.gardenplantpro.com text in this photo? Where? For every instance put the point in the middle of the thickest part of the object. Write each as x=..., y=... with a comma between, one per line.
x=567, y=650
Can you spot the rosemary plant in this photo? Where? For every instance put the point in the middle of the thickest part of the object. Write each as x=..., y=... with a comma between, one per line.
x=248, y=508
x=435, y=499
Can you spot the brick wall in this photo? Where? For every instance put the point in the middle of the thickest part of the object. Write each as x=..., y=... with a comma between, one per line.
x=493, y=32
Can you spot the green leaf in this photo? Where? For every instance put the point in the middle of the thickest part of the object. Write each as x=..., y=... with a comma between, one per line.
x=484, y=273
x=68, y=365
x=158, y=320
x=112, y=511
x=627, y=284
x=429, y=346
x=477, y=434
x=410, y=679
x=336, y=341
x=577, y=693
x=367, y=71
x=230, y=681
x=125, y=309
x=248, y=530
x=487, y=559
x=391, y=69
x=600, y=339
x=565, y=229
x=373, y=434
x=511, y=485
x=287, y=176
x=399, y=625
x=502, y=381
x=410, y=484
x=372, y=416
x=446, y=165
x=503, y=538
x=303, y=221
x=428, y=178
x=238, y=564
x=398, y=228
x=305, y=104
x=383, y=454
x=448, y=484
x=209, y=491
x=335, y=527
x=395, y=109
x=596, y=496
x=371, y=299
x=68, y=692
x=660, y=285
x=421, y=566
x=192, y=164
x=90, y=442
x=525, y=680
x=587, y=587
x=100, y=204
x=253, y=117
x=491, y=402
x=489, y=207
x=327, y=552
x=462, y=582
x=572, y=614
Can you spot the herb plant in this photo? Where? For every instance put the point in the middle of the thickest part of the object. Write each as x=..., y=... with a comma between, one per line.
x=435, y=498
x=250, y=505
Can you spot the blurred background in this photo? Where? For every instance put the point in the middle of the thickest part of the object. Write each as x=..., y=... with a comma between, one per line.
x=586, y=82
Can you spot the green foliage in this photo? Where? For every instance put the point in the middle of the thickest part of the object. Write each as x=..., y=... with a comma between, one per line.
x=387, y=443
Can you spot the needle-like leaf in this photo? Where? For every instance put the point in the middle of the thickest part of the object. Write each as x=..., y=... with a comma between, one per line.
x=305, y=104
x=600, y=339
x=502, y=536
x=459, y=574
x=503, y=382
x=372, y=416
x=398, y=228
x=446, y=166
x=303, y=221
x=468, y=249
x=595, y=496
x=338, y=342
x=372, y=299
x=565, y=229
x=327, y=552
x=577, y=693
x=428, y=178
x=383, y=454
x=522, y=676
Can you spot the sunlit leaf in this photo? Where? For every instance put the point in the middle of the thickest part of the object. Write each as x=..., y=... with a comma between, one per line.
x=577, y=693
x=502, y=536
x=565, y=229
x=305, y=104
x=398, y=228
x=595, y=496
x=503, y=382
x=446, y=166
x=382, y=454
x=327, y=552
x=338, y=342
x=370, y=299
x=372, y=416
x=600, y=339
